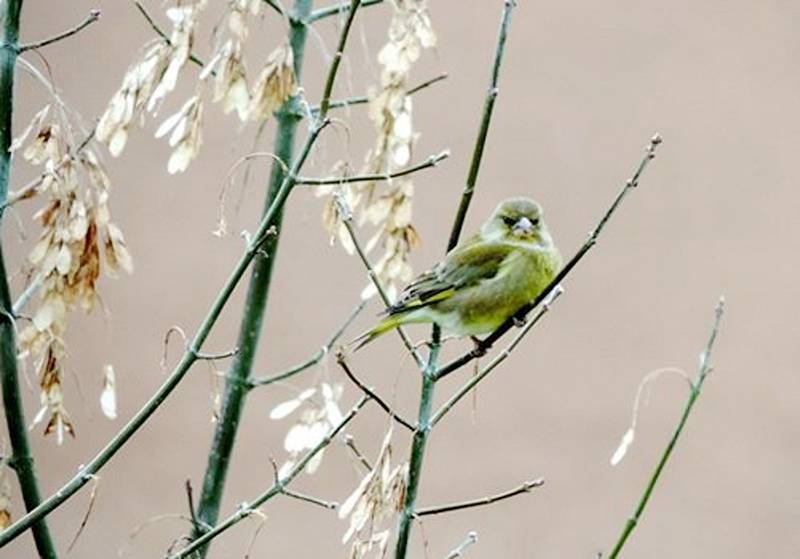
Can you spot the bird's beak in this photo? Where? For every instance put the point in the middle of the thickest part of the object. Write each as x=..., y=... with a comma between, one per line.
x=523, y=226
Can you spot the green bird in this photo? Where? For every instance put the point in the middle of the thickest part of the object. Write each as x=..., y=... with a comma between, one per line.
x=484, y=280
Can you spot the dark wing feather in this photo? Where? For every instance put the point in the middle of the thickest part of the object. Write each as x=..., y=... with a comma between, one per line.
x=463, y=267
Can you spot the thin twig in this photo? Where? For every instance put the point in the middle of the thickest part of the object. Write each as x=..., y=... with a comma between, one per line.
x=85, y=519
x=190, y=503
x=480, y=141
x=486, y=344
x=330, y=505
x=364, y=99
x=25, y=296
x=274, y=5
x=704, y=369
x=431, y=161
x=215, y=356
x=351, y=444
x=472, y=382
x=340, y=359
x=472, y=538
x=164, y=36
x=337, y=9
x=314, y=359
x=246, y=509
x=347, y=219
x=337, y=58
x=94, y=15
x=524, y=488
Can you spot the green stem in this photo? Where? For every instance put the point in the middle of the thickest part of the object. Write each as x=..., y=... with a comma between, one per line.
x=480, y=141
x=279, y=487
x=255, y=303
x=705, y=367
x=22, y=459
x=417, y=454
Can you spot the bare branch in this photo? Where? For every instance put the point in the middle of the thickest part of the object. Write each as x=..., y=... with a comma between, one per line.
x=246, y=509
x=351, y=444
x=483, y=130
x=524, y=488
x=472, y=538
x=347, y=219
x=705, y=368
x=337, y=9
x=314, y=359
x=340, y=359
x=431, y=161
x=214, y=356
x=364, y=99
x=473, y=382
x=94, y=15
x=330, y=505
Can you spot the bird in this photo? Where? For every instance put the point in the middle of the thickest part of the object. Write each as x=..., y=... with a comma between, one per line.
x=482, y=281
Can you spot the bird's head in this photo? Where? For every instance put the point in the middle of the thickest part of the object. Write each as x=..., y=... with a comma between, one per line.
x=517, y=219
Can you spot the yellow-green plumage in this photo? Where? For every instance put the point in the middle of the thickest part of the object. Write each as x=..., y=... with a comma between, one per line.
x=484, y=280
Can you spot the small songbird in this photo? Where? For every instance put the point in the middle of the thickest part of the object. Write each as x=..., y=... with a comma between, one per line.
x=484, y=280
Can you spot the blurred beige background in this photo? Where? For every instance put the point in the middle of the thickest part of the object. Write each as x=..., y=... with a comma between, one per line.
x=584, y=86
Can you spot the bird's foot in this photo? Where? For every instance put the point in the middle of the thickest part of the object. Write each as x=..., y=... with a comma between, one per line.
x=519, y=322
x=479, y=350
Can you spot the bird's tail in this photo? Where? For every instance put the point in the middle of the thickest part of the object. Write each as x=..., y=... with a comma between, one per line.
x=383, y=326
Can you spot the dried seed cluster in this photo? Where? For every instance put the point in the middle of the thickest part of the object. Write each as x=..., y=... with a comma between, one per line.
x=148, y=81
x=378, y=497
x=390, y=109
x=65, y=261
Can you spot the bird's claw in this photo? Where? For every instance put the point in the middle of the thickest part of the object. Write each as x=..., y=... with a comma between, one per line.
x=519, y=322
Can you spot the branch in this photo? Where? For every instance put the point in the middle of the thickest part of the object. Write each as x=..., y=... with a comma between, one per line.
x=471, y=383
x=472, y=538
x=330, y=505
x=430, y=376
x=314, y=359
x=13, y=410
x=482, y=347
x=94, y=15
x=347, y=219
x=524, y=488
x=164, y=36
x=480, y=141
x=431, y=161
x=369, y=392
x=705, y=368
x=272, y=4
x=364, y=99
x=337, y=59
x=246, y=509
x=337, y=9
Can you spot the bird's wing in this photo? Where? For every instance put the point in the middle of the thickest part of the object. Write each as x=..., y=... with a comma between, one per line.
x=463, y=267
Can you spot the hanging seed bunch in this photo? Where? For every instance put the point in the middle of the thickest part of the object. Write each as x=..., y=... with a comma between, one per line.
x=149, y=80
x=66, y=260
x=390, y=109
x=378, y=497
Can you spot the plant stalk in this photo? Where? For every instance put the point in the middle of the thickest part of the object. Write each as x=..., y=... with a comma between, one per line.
x=236, y=385
x=696, y=387
x=21, y=459
x=417, y=454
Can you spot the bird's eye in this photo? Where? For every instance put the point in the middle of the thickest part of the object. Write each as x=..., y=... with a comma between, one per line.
x=509, y=220
x=535, y=222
